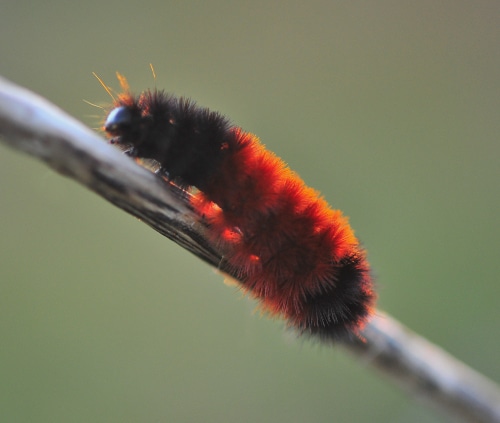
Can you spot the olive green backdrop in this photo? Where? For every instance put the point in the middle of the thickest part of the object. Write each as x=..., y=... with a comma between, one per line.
x=390, y=108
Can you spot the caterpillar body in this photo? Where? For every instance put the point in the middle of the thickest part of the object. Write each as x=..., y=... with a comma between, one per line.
x=292, y=252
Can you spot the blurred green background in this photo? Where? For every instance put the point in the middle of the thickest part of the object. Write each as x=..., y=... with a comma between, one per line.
x=390, y=108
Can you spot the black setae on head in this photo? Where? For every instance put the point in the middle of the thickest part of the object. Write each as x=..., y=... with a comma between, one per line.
x=186, y=140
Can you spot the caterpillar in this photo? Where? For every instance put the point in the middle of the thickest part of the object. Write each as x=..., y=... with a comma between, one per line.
x=292, y=252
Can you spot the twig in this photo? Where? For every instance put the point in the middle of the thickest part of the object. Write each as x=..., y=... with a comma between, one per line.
x=33, y=125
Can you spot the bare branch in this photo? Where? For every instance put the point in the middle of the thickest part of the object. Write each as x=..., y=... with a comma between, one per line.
x=33, y=125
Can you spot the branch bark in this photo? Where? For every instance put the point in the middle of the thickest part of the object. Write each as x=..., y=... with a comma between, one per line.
x=31, y=124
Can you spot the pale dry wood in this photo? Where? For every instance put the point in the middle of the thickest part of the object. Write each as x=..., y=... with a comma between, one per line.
x=31, y=124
